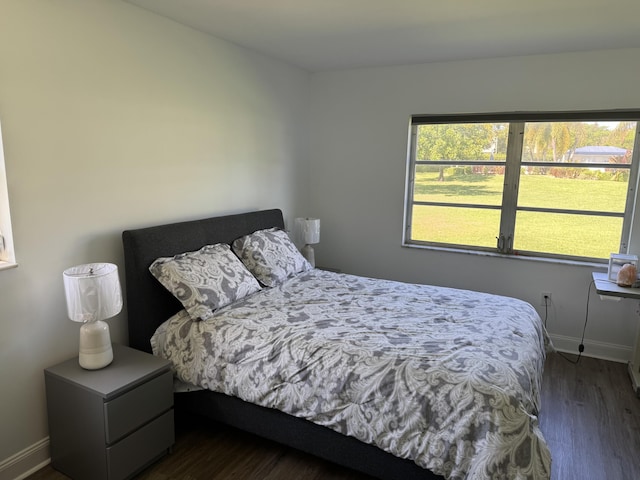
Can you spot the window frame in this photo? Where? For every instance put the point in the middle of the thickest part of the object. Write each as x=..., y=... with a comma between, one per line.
x=509, y=207
x=7, y=252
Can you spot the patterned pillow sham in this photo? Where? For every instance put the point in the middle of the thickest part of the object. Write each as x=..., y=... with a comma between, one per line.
x=270, y=255
x=205, y=280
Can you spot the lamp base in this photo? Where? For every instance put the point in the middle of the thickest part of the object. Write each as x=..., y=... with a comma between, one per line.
x=95, y=346
x=309, y=254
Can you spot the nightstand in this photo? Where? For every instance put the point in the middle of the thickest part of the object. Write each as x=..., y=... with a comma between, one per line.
x=109, y=424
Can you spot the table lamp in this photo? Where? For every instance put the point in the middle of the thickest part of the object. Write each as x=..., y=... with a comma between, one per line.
x=308, y=231
x=93, y=294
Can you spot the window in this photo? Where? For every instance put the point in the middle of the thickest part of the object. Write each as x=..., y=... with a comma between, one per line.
x=552, y=185
x=7, y=256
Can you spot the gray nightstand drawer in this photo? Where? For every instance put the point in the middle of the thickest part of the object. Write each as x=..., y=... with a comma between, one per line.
x=141, y=447
x=136, y=407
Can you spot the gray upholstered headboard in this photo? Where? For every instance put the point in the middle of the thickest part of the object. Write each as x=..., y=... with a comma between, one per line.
x=149, y=303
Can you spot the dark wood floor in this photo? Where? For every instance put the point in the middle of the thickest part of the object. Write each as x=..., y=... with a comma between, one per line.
x=590, y=419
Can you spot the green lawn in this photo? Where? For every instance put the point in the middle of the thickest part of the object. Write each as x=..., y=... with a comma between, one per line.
x=553, y=233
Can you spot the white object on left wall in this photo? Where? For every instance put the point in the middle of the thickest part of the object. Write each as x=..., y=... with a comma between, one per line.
x=7, y=252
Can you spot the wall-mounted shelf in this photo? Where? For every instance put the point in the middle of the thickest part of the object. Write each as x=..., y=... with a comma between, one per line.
x=604, y=286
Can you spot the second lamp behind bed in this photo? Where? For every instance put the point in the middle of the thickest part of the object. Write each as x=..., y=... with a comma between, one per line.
x=307, y=232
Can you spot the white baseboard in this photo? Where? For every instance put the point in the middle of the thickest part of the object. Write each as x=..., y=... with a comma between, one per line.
x=601, y=350
x=26, y=462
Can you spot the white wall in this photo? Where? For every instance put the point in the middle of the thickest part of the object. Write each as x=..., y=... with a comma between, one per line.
x=358, y=150
x=114, y=118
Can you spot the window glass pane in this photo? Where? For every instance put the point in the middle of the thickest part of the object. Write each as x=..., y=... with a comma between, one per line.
x=564, y=234
x=462, y=141
x=461, y=226
x=566, y=184
x=470, y=184
x=590, y=189
x=7, y=254
x=578, y=142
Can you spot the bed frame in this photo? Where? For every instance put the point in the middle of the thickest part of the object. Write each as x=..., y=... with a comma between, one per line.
x=149, y=304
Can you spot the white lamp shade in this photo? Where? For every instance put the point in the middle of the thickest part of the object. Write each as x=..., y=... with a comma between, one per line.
x=93, y=292
x=308, y=230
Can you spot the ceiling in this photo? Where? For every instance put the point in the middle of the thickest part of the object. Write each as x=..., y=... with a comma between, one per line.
x=319, y=35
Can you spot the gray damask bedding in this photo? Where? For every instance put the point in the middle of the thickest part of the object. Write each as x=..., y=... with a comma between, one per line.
x=448, y=378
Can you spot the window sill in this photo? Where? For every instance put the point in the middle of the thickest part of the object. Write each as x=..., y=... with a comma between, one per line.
x=7, y=265
x=530, y=258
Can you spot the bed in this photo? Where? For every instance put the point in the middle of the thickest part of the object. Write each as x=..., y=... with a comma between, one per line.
x=438, y=413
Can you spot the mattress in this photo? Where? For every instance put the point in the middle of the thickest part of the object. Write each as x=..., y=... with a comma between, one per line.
x=447, y=378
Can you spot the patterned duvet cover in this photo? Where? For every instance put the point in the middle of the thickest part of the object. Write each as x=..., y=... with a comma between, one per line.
x=447, y=378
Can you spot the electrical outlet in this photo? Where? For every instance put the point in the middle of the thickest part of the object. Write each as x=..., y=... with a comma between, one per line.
x=545, y=298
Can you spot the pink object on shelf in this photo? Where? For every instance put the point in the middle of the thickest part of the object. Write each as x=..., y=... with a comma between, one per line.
x=627, y=275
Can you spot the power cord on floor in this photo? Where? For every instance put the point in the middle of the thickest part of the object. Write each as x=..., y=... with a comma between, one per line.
x=584, y=328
